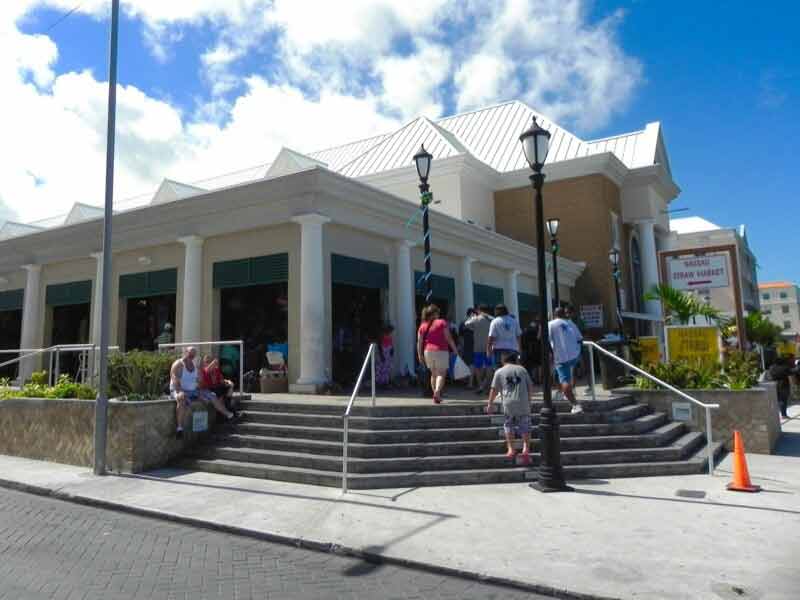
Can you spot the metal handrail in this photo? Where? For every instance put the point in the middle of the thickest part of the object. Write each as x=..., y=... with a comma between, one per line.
x=55, y=352
x=19, y=359
x=594, y=346
x=369, y=359
x=239, y=343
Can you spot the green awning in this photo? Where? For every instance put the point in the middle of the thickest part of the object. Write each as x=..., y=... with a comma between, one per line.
x=442, y=287
x=359, y=272
x=486, y=294
x=67, y=294
x=151, y=283
x=11, y=300
x=257, y=270
x=528, y=302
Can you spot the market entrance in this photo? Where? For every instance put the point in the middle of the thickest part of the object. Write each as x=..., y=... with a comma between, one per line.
x=148, y=301
x=10, y=329
x=360, y=306
x=68, y=312
x=444, y=295
x=254, y=308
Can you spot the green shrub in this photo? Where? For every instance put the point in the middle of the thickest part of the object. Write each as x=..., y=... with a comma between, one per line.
x=39, y=378
x=65, y=388
x=138, y=375
x=742, y=369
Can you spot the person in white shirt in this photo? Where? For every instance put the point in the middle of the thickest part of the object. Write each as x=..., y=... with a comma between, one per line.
x=504, y=334
x=565, y=340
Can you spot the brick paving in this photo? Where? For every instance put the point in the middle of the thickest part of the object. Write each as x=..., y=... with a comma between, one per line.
x=51, y=549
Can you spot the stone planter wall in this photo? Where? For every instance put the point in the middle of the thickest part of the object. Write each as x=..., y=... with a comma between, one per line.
x=141, y=435
x=753, y=412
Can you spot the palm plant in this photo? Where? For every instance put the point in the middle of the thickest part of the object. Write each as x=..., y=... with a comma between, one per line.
x=760, y=330
x=681, y=307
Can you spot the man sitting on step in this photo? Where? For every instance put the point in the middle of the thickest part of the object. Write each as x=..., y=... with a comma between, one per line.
x=184, y=390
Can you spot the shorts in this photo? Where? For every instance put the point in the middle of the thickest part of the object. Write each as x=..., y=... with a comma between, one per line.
x=499, y=355
x=192, y=396
x=564, y=370
x=481, y=361
x=437, y=360
x=521, y=424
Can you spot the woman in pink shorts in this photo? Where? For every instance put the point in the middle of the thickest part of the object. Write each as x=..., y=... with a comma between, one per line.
x=434, y=343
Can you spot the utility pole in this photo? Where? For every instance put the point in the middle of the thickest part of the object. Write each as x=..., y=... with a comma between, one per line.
x=101, y=406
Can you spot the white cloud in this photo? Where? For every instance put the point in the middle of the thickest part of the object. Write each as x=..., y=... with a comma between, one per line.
x=362, y=59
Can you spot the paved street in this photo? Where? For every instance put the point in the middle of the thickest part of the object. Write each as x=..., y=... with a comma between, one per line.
x=55, y=549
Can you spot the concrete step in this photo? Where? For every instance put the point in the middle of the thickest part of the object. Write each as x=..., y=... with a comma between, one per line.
x=694, y=465
x=660, y=436
x=638, y=425
x=618, y=415
x=681, y=449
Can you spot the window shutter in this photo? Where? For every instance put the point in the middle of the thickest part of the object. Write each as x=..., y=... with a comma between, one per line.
x=442, y=287
x=257, y=270
x=486, y=294
x=528, y=302
x=358, y=272
x=66, y=294
x=151, y=283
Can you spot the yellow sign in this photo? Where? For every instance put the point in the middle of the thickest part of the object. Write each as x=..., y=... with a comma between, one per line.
x=651, y=352
x=786, y=349
x=693, y=343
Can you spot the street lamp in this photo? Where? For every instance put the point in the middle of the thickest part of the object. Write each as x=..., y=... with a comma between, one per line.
x=613, y=257
x=423, y=160
x=552, y=229
x=535, y=144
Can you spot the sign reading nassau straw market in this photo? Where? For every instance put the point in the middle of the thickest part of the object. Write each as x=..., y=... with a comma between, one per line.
x=691, y=343
x=698, y=272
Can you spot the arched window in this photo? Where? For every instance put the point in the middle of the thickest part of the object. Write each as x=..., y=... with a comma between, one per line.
x=636, y=280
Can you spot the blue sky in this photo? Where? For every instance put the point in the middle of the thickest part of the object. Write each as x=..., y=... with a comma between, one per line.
x=223, y=84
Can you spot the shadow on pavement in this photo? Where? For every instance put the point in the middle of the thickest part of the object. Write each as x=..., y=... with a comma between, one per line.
x=789, y=442
x=699, y=502
x=167, y=475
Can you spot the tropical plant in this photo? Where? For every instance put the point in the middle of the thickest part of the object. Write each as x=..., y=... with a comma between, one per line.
x=37, y=388
x=742, y=369
x=760, y=330
x=138, y=375
x=681, y=307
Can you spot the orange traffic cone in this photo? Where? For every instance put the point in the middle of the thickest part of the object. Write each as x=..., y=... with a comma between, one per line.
x=741, y=477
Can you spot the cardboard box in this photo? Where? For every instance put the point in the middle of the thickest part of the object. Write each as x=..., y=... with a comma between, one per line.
x=274, y=382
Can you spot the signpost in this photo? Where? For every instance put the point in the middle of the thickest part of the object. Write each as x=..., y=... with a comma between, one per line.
x=650, y=349
x=693, y=343
x=592, y=316
x=698, y=272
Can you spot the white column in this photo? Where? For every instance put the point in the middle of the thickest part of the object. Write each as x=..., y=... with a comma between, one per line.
x=97, y=297
x=647, y=246
x=511, y=293
x=313, y=325
x=31, y=319
x=191, y=321
x=466, y=296
x=405, y=330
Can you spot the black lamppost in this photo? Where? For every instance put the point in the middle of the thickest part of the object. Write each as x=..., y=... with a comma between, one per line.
x=535, y=144
x=552, y=229
x=613, y=256
x=423, y=160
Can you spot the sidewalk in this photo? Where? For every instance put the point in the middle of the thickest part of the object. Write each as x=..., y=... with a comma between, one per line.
x=664, y=538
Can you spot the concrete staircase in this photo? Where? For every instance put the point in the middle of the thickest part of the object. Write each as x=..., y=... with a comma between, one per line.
x=408, y=446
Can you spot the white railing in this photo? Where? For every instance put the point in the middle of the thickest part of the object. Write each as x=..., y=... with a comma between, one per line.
x=239, y=343
x=593, y=346
x=55, y=356
x=369, y=360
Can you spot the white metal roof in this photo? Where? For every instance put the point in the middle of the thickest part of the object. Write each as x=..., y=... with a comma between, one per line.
x=12, y=229
x=82, y=212
x=289, y=161
x=692, y=225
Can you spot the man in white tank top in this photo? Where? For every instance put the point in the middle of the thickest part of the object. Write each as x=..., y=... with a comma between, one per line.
x=184, y=389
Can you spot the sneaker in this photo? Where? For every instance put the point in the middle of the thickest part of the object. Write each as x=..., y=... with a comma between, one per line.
x=576, y=409
x=179, y=434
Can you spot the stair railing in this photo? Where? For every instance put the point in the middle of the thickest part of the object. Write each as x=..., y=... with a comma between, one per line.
x=30, y=353
x=707, y=407
x=368, y=360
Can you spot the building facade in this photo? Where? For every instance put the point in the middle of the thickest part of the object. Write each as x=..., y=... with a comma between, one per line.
x=311, y=254
x=780, y=302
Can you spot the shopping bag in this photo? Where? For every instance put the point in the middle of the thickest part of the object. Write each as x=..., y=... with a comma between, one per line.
x=460, y=369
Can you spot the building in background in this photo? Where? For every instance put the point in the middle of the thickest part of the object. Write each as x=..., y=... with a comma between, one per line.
x=780, y=301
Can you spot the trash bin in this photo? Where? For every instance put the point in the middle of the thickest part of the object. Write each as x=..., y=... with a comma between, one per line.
x=611, y=371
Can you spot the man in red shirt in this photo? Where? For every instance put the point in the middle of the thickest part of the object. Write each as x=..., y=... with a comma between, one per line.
x=211, y=379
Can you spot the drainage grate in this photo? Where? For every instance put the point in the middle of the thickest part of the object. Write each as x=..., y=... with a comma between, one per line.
x=690, y=494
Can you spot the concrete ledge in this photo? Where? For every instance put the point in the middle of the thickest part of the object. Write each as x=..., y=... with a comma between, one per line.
x=753, y=412
x=305, y=388
x=141, y=435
